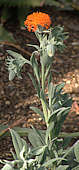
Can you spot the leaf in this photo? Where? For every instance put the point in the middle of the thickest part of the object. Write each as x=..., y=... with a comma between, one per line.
x=53, y=115
x=51, y=161
x=18, y=56
x=7, y=167
x=49, y=79
x=76, y=150
x=15, y=64
x=71, y=135
x=11, y=75
x=59, y=87
x=62, y=167
x=51, y=93
x=76, y=168
x=66, y=141
x=38, y=111
x=62, y=113
x=48, y=131
x=61, y=116
x=38, y=150
x=17, y=142
x=36, y=138
x=35, y=84
x=42, y=96
x=35, y=46
x=35, y=67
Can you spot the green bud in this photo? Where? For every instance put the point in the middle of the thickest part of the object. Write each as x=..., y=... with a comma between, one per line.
x=50, y=50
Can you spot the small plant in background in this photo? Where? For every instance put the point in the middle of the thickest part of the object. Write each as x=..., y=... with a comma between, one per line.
x=49, y=148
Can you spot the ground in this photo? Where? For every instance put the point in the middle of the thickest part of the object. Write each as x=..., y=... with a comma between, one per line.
x=17, y=96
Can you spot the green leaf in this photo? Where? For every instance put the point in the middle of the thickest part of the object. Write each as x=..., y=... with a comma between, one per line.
x=61, y=116
x=76, y=150
x=49, y=79
x=62, y=167
x=51, y=161
x=51, y=93
x=17, y=142
x=11, y=75
x=38, y=150
x=66, y=141
x=76, y=168
x=35, y=46
x=52, y=117
x=15, y=64
x=7, y=167
x=36, y=138
x=42, y=96
x=71, y=135
x=48, y=131
x=35, y=67
x=35, y=84
x=62, y=113
x=38, y=111
x=18, y=56
x=59, y=87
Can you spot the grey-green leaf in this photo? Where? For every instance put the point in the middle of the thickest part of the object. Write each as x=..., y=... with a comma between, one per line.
x=36, y=138
x=76, y=168
x=76, y=150
x=62, y=167
x=17, y=142
x=7, y=167
x=11, y=75
x=51, y=161
x=49, y=129
x=38, y=111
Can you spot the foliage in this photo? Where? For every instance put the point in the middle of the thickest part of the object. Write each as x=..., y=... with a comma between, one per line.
x=47, y=149
x=64, y=4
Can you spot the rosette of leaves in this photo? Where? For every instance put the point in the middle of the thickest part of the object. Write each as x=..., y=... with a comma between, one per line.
x=42, y=154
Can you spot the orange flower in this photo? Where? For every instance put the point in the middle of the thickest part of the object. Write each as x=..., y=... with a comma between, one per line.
x=35, y=19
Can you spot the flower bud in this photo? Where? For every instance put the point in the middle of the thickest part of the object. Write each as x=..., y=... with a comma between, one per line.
x=50, y=50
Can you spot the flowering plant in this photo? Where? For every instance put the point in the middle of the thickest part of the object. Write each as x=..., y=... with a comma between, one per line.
x=49, y=148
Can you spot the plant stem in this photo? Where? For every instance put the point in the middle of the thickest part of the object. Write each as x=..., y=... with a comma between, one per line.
x=44, y=111
x=43, y=78
x=44, y=107
x=53, y=168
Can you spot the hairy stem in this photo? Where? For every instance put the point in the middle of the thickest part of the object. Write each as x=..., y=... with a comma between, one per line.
x=44, y=107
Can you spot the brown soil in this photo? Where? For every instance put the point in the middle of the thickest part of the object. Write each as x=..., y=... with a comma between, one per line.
x=17, y=96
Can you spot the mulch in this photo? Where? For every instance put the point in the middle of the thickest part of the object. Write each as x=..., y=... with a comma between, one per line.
x=17, y=96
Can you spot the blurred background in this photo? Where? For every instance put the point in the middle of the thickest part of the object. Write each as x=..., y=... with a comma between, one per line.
x=18, y=9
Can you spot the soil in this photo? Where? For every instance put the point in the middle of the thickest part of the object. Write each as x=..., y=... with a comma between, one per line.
x=18, y=95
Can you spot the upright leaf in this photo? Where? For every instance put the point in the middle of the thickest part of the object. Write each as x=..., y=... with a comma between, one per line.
x=76, y=150
x=62, y=167
x=38, y=111
x=36, y=138
x=48, y=131
x=17, y=142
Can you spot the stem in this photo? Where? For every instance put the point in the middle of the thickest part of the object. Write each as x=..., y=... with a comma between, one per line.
x=53, y=168
x=44, y=111
x=43, y=78
x=43, y=88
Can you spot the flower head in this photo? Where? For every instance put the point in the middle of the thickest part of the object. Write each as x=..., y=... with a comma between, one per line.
x=35, y=19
